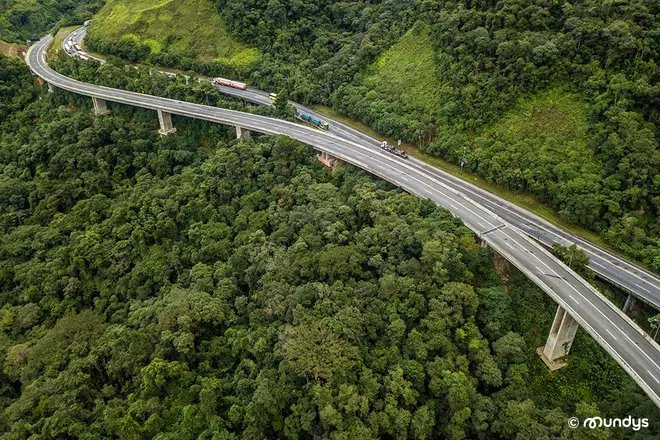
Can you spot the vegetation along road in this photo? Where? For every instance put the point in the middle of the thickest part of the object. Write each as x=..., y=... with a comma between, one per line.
x=628, y=276
x=635, y=352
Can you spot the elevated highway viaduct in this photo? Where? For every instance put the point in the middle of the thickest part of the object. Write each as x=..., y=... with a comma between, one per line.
x=579, y=302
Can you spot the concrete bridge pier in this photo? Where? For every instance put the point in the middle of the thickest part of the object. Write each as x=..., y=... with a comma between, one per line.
x=630, y=301
x=242, y=133
x=166, y=126
x=326, y=159
x=51, y=88
x=100, y=107
x=559, y=340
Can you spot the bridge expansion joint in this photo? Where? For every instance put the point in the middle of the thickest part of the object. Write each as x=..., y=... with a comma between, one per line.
x=496, y=228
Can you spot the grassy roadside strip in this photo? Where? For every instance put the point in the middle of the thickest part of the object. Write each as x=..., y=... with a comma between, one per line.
x=60, y=36
x=523, y=200
x=12, y=50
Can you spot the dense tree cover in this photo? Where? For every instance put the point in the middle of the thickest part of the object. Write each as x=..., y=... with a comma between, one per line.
x=308, y=48
x=489, y=55
x=16, y=86
x=117, y=74
x=152, y=288
x=22, y=20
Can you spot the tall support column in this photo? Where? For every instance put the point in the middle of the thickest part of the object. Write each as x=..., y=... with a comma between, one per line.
x=100, y=108
x=166, y=126
x=326, y=159
x=51, y=88
x=559, y=340
x=630, y=301
x=242, y=133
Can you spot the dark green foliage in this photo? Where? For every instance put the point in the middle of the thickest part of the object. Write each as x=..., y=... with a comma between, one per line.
x=17, y=86
x=574, y=258
x=490, y=56
x=22, y=20
x=152, y=288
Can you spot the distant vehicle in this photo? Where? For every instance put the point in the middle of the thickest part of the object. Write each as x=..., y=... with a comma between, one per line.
x=84, y=56
x=67, y=47
x=312, y=120
x=87, y=23
x=74, y=33
x=273, y=96
x=390, y=149
x=229, y=83
x=78, y=48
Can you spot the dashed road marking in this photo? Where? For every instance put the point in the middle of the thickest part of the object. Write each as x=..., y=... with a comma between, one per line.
x=611, y=334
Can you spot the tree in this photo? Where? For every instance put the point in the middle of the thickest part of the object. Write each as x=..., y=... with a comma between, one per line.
x=317, y=352
x=654, y=321
x=575, y=258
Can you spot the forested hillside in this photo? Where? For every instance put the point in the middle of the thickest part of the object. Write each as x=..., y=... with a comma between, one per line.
x=195, y=286
x=168, y=32
x=22, y=20
x=554, y=99
x=590, y=151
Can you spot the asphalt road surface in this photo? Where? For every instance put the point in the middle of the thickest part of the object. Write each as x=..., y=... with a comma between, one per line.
x=626, y=342
x=627, y=276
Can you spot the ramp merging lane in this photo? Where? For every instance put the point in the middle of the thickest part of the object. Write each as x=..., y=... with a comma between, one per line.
x=623, y=340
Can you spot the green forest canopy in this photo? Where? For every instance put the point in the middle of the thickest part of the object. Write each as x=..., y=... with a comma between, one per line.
x=489, y=59
x=170, y=288
x=22, y=20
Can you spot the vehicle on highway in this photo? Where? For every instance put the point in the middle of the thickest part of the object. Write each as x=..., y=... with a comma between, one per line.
x=390, y=149
x=67, y=48
x=78, y=48
x=273, y=96
x=229, y=83
x=87, y=23
x=312, y=120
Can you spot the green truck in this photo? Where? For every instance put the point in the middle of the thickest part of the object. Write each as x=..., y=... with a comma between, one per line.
x=312, y=120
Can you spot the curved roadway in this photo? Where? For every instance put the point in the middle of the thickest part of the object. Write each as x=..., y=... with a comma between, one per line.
x=627, y=276
x=627, y=343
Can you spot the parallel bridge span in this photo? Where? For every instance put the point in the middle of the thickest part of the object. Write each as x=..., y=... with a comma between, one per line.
x=612, y=329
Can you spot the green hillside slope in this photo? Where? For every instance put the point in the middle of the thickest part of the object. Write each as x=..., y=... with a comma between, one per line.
x=406, y=72
x=188, y=28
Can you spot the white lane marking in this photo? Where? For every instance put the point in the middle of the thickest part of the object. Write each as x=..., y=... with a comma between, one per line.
x=477, y=215
x=549, y=268
x=603, y=314
x=426, y=184
x=633, y=344
x=584, y=245
x=653, y=376
x=573, y=298
x=535, y=256
x=597, y=264
x=643, y=288
x=612, y=335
